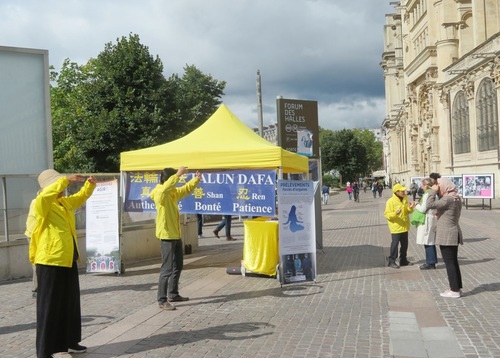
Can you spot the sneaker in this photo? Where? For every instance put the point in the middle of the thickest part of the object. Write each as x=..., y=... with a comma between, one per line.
x=167, y=306
x=405, y=263
x=77, y=349
x=427, y=267
x=178, y=298
x=230, y=238
x=393, y=265
x=450, y=294
x=200, y=236
x=61, y=355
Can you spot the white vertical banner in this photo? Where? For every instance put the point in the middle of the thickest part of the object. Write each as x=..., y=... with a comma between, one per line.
x=297, y=231
x=102, y=229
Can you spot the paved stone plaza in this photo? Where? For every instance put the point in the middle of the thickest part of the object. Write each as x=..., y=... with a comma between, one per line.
x=357, y=308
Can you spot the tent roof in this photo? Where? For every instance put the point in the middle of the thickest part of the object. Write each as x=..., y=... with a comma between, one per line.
x=222, y=142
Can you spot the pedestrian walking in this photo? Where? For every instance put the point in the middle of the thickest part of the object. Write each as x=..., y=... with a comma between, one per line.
x=325, y=190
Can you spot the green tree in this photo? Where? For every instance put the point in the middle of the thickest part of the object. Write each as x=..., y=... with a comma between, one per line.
x=195, y=97
x=373, y=149
x=67, y=112
x=121, y=101
x=330, y=180
x=344, y=152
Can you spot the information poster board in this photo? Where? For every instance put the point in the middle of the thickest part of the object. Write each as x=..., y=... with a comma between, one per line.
x=297, y=231
x=102, y=228
x=458, y=181
x=478, y=186
x=298, y=129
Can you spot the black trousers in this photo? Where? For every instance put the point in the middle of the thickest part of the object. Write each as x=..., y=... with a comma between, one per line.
x=199, y=222
x=172, y=261
x=450, y=259
x=399, y=238
x=58, y=315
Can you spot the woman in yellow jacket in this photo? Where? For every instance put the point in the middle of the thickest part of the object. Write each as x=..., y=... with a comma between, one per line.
x=54, y=251
x=397, y=212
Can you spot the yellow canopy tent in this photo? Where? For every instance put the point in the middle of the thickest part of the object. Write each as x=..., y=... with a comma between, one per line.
x=222, y=142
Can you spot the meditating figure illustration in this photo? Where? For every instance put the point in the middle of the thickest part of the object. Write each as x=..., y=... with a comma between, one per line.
x=293, y=221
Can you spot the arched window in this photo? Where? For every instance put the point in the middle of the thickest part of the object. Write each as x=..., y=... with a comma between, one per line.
x=461, y=129
x=487, y=116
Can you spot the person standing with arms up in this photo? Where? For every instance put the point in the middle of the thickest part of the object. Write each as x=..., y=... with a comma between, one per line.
x=326, y=193
x=397, y=212
x=54, y=251
x=448, y=231
x=168, y=230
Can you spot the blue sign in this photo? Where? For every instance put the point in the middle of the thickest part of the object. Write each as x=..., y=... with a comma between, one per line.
x=234, y=192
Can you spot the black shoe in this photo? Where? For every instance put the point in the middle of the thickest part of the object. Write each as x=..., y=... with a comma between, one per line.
x=427, y=267
x=77, y=349
x=178, y=298
x=407, y=263
x=393, y=265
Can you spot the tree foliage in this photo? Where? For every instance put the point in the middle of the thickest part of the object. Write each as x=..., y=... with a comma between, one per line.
x=344, y=152
x=373, y=149
x=121, y=101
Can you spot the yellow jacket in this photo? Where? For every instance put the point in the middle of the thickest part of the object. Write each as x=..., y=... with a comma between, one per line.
x=54, y=237
x=30, y=220
x=166, y=197
x=398, y=223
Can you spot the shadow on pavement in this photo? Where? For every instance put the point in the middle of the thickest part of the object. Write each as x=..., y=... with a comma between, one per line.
x=287, y=291
x=233, y=332
x=140, y=287
x=347, y=258
x=488, y=287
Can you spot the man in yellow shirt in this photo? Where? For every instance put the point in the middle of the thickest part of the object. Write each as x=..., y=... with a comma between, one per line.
x=397, y=212
x=168, y=230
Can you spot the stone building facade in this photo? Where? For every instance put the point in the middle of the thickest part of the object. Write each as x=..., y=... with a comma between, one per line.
x=441, y=64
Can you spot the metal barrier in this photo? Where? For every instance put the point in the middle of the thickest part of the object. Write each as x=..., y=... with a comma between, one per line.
x=16, y=194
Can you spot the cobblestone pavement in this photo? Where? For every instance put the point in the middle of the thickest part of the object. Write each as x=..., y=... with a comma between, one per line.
x=358, y=307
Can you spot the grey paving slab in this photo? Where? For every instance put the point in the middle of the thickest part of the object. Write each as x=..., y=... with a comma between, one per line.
x=357, y=308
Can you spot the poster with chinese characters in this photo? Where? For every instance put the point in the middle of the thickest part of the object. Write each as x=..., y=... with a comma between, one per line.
x=232, y=192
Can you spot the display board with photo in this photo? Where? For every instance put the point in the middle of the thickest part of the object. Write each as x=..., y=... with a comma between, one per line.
x=458, y=181
x=478, y=186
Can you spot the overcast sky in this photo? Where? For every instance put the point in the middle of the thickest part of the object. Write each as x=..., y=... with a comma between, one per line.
x=322, y=50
